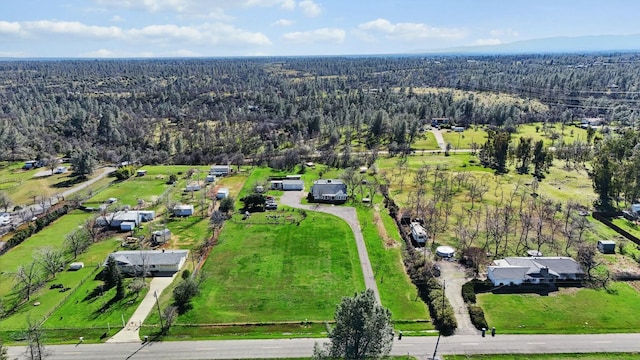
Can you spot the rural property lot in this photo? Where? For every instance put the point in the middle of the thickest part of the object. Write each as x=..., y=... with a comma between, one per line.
x=286, y=272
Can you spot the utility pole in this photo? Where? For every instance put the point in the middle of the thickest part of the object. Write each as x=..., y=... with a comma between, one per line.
x=155, y=294
x=444, y=286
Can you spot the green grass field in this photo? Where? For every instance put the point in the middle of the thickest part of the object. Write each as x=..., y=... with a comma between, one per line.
x=260, y=273
x=54, y=236
x=51, y=298
x=593, y=356
x=396, y=290
x=627, y=225
x=463, y=140
x=570, y=311
x=425, y=141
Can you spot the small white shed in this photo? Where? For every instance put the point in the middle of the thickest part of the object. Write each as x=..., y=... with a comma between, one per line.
x=222, y=193
x=74, y=266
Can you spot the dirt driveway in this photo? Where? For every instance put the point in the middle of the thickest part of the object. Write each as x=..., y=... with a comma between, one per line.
x=454, y=277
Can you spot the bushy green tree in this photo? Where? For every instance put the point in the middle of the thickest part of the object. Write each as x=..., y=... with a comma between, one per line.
x=363, y=330
x=182, y=294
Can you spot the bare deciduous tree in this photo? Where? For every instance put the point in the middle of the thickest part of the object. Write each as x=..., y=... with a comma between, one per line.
x=51, y=260
x=27, y=279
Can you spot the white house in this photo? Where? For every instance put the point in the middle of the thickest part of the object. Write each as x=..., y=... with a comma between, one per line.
x=534, y=270
x=220, y=170
x=126, y=220
x=183, y=210
x=152, y=262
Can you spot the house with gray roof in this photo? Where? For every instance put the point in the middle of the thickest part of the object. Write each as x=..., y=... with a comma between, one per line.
x=152, y=262
x=328, y=190
x=534, y=270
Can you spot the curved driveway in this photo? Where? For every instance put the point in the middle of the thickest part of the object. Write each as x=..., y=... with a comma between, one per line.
x=348, y=214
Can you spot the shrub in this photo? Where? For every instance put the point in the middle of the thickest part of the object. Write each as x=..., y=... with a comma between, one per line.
x=124, y=172
x=468, y=293
x=441, y=310
x=477, y=317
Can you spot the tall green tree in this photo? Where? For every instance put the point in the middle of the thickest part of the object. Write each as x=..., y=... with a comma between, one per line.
x=362, y=331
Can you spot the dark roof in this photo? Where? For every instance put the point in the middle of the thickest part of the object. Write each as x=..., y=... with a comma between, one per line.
x=557, y=265
x=328, y=187
x=148, y=257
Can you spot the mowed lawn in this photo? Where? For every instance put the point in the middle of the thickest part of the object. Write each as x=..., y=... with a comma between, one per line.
x=261, y=273
x=53, y=236
x=464, y=139
x=147, y=188
x=570, y=311
x=588, y=356
x=51, y=298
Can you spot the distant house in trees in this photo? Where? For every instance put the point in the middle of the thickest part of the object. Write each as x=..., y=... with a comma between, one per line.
x=329, y=191
x=220, y=170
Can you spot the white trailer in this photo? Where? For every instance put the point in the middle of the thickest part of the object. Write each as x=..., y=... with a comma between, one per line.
x=418, y=233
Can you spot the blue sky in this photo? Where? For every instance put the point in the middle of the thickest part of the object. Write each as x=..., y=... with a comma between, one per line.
x=173, y=28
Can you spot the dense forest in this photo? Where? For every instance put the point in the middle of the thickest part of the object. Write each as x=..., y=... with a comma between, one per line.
x=229, y=110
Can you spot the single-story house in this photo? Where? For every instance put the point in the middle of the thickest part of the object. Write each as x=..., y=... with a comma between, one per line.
x=153, y=262
x=32, y=164
x=288, y=184
x=329, y=190
x=222, y=193
x=126, y=220
x=161, y=236
x=220, y=170
x=141, y=172
x=534, y=270
x=607, y=246
x=183, y=210
x=591, y=122
x=193, y=186
x=60, y=170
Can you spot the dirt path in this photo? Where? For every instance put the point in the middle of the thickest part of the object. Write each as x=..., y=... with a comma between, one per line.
x=439, y=138
x=348, y=214
x=454, y=277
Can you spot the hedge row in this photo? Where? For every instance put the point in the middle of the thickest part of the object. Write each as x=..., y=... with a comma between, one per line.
x=469, y=291
x=443, y=316
x=42, y=222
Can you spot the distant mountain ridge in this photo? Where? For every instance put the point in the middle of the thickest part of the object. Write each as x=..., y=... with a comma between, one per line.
x=594, y=43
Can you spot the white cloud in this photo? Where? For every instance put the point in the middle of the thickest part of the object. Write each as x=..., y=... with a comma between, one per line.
x=205, y=34
x=315, y=36
x=492, y=41
x=10, y=27
x=408, y=32
x=283, y=22
x=214, y=9
x=310, y=8
x=117, y=18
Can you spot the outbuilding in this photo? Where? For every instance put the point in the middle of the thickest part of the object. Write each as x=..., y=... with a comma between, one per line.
x=287, y=185
x=161, y=236
x=74, y=266
x=222, y=193
x=183, y=210
x=607, y=246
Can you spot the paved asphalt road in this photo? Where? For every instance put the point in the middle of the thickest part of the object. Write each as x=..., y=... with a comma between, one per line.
x=421, y=347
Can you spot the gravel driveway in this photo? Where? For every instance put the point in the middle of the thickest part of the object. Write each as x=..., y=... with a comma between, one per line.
x=454, y=276
x=348, y=214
